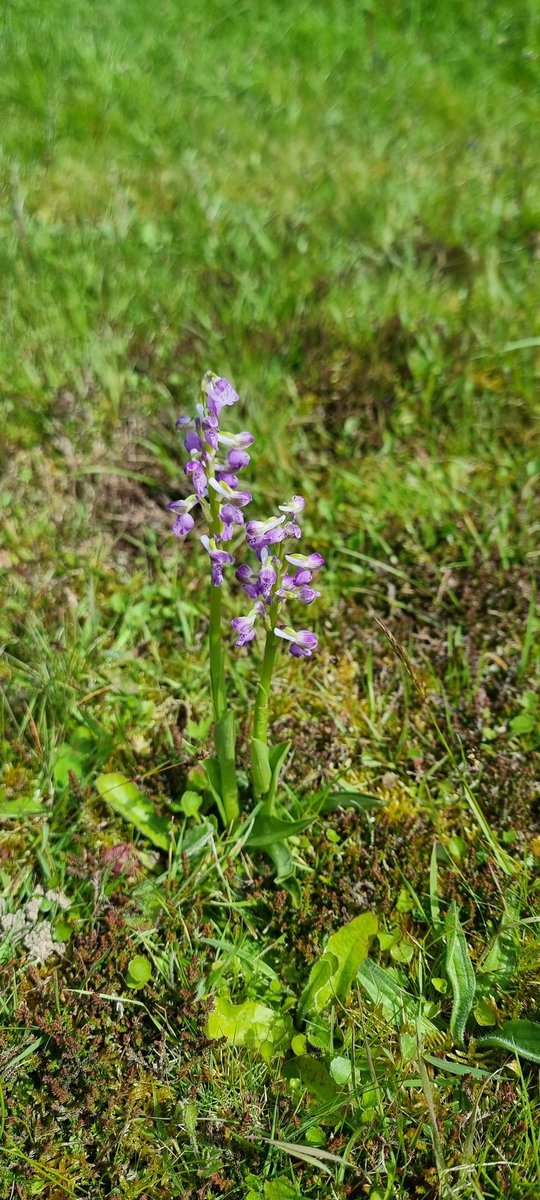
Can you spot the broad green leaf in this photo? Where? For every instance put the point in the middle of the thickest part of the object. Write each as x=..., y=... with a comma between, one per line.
x=398, y=1006
x=283, y=861
x=260, y=763
x=67, y=760
x=349, y=946
x=402, y=951
x=251, y=1024
x=281, y=1189
x=127, y=800
x=314, y=1076
x=139, y=971
x=485, y=1012
x=196, y=839
x=341, y=1070
x=460, y=973
x=405, y=902
x=268, y=829
x=319, y=976
x=190, y=803
x=23, y=806
x=519, y=1037
x=276, y=757
x=319, y=1032
x=524, y=723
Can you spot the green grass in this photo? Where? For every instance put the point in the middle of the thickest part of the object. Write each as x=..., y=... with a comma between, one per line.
x=337, y=205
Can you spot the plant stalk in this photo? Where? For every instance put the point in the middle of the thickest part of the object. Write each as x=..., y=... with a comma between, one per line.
x=224, y=730
x=260, y=716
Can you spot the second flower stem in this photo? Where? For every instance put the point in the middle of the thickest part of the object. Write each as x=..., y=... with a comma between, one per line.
x=260, y=717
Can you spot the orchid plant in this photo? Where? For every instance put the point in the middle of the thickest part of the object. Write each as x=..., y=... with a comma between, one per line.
x=279, y=575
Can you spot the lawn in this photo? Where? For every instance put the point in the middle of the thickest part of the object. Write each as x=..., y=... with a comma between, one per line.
x=335, y=205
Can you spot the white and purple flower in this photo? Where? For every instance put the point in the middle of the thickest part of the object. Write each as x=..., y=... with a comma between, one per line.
x=244, y=626
x=273, y=585
x=302, y=642
x=218, y=559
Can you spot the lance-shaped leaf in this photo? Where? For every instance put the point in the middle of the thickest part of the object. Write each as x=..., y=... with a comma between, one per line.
x=519, y=1037
x=460, y=972
x=268, y=829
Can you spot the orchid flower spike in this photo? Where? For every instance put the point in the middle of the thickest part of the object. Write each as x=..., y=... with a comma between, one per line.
x=215, y=485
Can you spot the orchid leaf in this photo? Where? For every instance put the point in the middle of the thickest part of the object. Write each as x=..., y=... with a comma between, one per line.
x=268, y=829
x=361, y=801
x=260, y=761
x=460, y=973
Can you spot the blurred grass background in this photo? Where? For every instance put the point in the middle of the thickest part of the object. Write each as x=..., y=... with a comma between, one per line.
x=212, y=183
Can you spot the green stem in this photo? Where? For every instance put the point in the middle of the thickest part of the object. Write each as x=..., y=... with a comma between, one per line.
x=217, y=669
x=260, y=717
x=262, y=779
x=224, y=726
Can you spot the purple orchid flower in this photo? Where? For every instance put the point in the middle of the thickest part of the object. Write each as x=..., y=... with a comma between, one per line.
x=219, y=393
x=202, y=440
x=237, y=459
x=218, y=559
x=244, y=626
x=245, y=576
x=184, y=521
x=192, y=442
x=306, y=562
x=230, y=516
x=273, y=585
x=239, y=441
x=295, y=506
x=200, y=482
x=302, y=641
x=267, y=577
